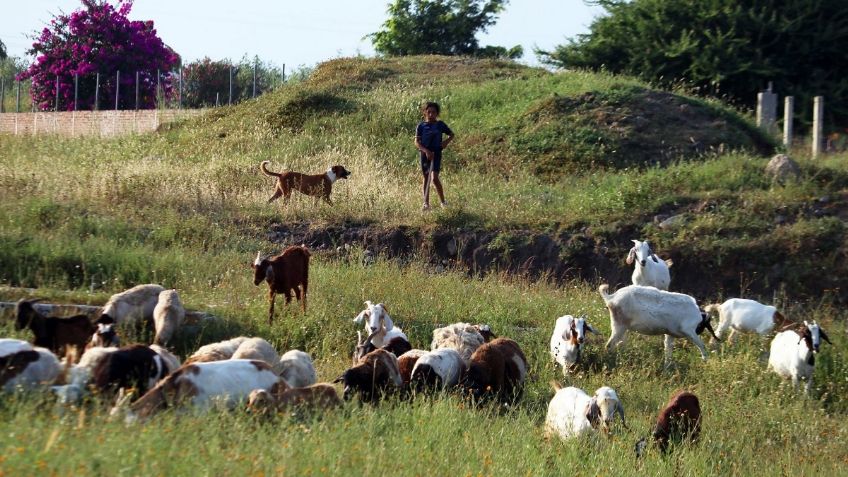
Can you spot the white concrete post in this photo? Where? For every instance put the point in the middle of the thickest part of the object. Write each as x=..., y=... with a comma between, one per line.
x=767, y=110
x=818, y=120
x=788, y=114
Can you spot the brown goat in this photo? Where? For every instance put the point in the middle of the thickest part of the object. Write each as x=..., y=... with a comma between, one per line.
x=286, y=272
x=52, y=332
x=377, y=374
x=281, y=397
x=497, y=368
x=680, y=419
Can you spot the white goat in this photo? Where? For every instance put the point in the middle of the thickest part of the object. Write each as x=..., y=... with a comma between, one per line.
x=80, y=374
x=216, y=351
x=792, y=353
x=572, y=412
x=227, y=382
x=747, y=316
x=379, y=323
x=463, y=337
x=567, y=340
x=133, y=305
x=650, y=311
x=258, y=349
x=168, y=316
x=438, y=369
x=650, y=270
x=296, y=368
x=25, y=366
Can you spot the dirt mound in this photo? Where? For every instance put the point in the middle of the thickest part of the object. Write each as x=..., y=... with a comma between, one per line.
x=628, y=126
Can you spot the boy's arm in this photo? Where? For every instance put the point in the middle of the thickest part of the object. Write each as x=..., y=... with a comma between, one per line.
x=449, y=134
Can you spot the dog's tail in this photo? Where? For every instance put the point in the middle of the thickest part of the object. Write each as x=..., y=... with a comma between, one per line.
x=264, y=168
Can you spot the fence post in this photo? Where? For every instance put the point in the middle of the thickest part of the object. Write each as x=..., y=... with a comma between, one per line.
x=818, y=120
x=117, y=88
x=136, y=90
x=216, y=99
x=2, y=95
x=254, y=78
x=158, y=98
x=56, y=105
x=96, y=91
x=766, y=109
x=18, y=98
x=788, y=114
x=230, y=97
x=284, y=72
x=76, y=90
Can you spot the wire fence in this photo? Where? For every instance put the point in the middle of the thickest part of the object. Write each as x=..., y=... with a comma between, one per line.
x=195, y=86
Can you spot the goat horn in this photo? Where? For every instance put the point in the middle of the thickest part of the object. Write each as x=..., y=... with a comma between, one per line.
x=258, y=258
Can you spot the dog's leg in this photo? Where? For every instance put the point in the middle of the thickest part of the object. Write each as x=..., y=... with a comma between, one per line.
x=277, y=194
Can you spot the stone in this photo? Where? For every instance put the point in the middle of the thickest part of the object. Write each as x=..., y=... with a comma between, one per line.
x=782, y=169
x=672, y=222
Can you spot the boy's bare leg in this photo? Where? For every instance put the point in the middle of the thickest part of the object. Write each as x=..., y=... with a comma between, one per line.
x=424, y=191
x=438, y=184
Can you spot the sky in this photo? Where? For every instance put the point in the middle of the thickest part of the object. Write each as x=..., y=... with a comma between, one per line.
x=297, y=33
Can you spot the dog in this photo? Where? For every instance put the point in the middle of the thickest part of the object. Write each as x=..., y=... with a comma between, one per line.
x=316, y=185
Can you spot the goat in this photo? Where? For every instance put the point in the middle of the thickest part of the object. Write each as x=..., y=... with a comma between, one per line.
x=296, y=368
x=649, y=270
x=79, y=375
x=169, y=360
x=792, y=353
x=201, y=384
x=650, y=311
x=258, y=349
x=105, y=335
x=51, y=332
x=406, y=363
x=748, y=316
x=132, y=306
x=321, y=396
x=498, y=368
x=397, y=346
x=680, y=419
x=216, y=351
x=376, y=374
x=168, y=316
x=572, y=412
x=379, y=324
x=438, y=369
x=134, y=366
x=23, y=366
x=463, y=337
x=286, y=272
x=567, y=340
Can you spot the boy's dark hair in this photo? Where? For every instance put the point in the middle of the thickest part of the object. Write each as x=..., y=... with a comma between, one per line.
x=431, y=104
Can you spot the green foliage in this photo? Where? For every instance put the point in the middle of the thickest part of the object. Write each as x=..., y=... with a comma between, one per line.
x=3, y=53
x=206, y=80
x=725, y=48
x=442, y=27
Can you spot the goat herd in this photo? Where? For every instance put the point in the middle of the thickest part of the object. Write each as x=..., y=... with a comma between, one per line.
x=144, y=379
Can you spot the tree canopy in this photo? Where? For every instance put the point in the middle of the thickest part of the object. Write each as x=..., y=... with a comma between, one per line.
x=2, y=50
x=98, y=38
x=726, y=48
x=441, y=27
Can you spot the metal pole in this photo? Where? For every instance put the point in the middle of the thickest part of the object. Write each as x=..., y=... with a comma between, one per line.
x=96, y=91
x=18, y=99
x=2, y=95
x=818, y=120
x=216, y=99
x=158, y=98
x=254, y=79
x=117, y=88
x=56, y=106
x=230, y=97
x=136, y=90
x=788, y=114
x=76, y=90
x=284, y=72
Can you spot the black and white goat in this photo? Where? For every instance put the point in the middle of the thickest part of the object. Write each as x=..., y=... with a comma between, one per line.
x=793, y=353
x=23, y=366
x=567, y=340
x=649, y=270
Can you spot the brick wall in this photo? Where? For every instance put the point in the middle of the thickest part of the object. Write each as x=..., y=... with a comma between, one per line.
x=90, y=123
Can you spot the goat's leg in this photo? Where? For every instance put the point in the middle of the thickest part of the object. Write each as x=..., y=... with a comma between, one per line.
x=669, y=349
x=696, y=340
x=730, y=336
x=616, y=338
x=719, y=331
x=809, y=386
x=271, y=296
x=303, y=301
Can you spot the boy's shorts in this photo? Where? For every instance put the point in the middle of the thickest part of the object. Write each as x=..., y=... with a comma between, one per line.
x=437, y=165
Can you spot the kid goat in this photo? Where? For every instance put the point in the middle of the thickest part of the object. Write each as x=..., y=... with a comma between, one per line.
x=792, y=353
x=285, y=273
x=649, y=270
x=572, y=412
x=748, y=316
x=650, y=311
x=567, y=340
x=680, y=419
x=52, y=332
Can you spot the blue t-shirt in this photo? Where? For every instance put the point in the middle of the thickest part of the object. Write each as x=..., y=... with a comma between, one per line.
x=430, y=135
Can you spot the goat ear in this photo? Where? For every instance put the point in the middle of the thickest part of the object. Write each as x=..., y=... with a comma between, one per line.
x=361, y=316
x=654, y=258
x=630, y=256
x=269, y=273
x=591, y=329
x=339, y=379
x=635, y=242
x=824, y=335
x=387, y=321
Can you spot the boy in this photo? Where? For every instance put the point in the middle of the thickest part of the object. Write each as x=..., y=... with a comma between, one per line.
x=428, y=140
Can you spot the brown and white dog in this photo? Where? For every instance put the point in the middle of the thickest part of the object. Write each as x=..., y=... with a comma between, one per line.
x=317, y=185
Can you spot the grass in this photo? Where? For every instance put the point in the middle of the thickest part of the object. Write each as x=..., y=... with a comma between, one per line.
x=84, y=218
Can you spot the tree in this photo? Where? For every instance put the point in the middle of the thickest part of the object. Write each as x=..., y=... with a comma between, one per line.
x=205, y=78
x=99, y=38
x=2, y=50
x=441, y=27
x=726, y=48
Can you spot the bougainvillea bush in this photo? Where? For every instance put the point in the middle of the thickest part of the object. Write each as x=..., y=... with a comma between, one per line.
x=99, y=38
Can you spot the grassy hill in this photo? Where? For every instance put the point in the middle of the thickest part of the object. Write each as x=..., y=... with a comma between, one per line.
x=587, y=160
